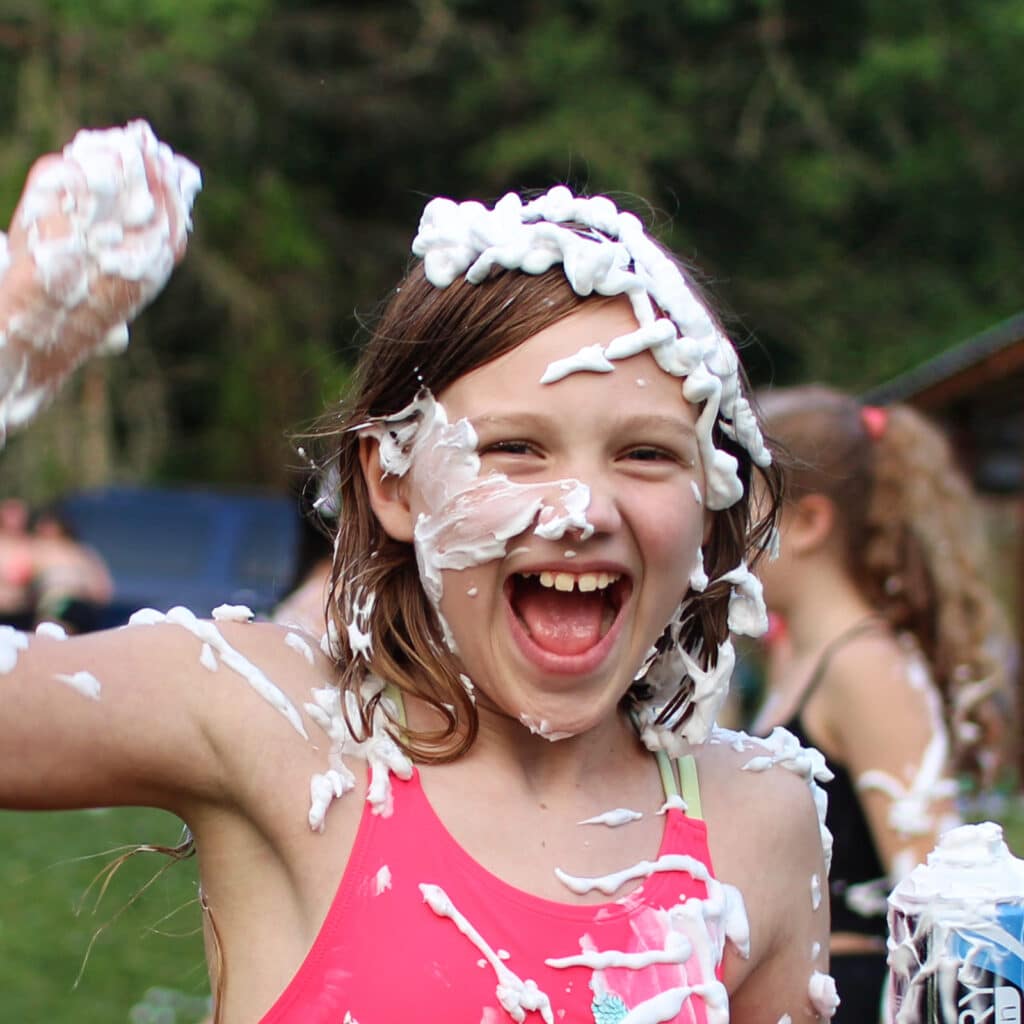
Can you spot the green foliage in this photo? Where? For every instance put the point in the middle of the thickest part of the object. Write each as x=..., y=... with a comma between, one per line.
x=189, y=29
x=848, y=175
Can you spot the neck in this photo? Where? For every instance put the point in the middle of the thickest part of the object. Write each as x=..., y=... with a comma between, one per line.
x=544, y=766
x=827, y=603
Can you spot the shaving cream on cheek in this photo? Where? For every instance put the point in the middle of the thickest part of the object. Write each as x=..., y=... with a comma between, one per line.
x=467, y=518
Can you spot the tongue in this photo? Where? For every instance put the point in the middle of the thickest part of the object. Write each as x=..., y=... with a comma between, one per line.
x=562, y=623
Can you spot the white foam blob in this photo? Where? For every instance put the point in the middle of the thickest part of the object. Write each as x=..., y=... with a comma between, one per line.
x=51, y=630
x=233, y=613
x=516, y=996
x=953, y=901
x=84, y=682
x=614, y=818
x=299, y=645
x=379, y=750
x=12, y=643
x=822, y=992
x=87, y=214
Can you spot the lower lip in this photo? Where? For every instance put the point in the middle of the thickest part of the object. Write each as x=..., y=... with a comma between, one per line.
x=563, y=664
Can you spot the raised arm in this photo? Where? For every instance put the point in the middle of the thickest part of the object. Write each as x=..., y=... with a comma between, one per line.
x=96, y=234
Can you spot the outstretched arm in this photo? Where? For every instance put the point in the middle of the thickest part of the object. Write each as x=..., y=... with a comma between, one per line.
x=176, y=714
x=96, y=234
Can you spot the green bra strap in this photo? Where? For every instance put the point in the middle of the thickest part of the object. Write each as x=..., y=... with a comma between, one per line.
x=393, y=693
x=690, y=786
x=669, y=783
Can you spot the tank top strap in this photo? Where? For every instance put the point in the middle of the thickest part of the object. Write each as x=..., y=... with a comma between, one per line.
x=394, y=694
x=832, y=648
x=690, y=785
x=678, y=775
x=679, y=779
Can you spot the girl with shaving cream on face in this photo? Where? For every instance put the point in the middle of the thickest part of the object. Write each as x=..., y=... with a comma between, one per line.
x=887, y=661
x=493, y=791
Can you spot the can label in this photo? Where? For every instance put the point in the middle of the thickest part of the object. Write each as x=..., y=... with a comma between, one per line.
x=968, y=972
x=991, y=979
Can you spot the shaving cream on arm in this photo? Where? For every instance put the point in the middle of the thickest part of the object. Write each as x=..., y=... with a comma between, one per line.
x=96, y=235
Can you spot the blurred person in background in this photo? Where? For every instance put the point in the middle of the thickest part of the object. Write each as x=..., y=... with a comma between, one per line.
x=17, y=602
x=46, y=575
x=884, y=651
x=71, y=581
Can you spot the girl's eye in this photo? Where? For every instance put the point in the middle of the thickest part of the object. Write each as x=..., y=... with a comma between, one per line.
x=509, y=448
x=650, y=455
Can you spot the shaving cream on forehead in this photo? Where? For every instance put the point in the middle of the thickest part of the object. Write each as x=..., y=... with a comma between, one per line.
x=606, y=252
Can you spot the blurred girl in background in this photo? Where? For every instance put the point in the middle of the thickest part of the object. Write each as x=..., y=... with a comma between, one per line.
x=886, y=649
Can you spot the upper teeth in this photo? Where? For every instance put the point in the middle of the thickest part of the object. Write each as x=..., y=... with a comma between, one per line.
x=567, y=581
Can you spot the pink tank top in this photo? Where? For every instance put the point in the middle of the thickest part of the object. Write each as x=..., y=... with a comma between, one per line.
x=383, y=956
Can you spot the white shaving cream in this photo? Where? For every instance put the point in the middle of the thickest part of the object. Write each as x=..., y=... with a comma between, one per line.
x=297, y=644
x=822, y=992
x=12, y=643
x=918, y=799
x=517, y=997
x=89, y=214
x=955, y=897
x=209, y=634
x=605, y=252
x=233, y=613
x=610, y=884
x=52, y=630
x=379, y=749
x=694, y=927
x=382, y=880
x=471, y=518
x=613, y=819
x=84, y=682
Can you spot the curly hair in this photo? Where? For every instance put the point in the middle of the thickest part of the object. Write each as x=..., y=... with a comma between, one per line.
x=906, y=515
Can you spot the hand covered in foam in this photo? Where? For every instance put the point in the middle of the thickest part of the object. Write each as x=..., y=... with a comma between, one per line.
x=95, y=236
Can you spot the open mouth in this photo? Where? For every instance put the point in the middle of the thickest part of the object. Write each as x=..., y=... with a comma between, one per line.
x=567, y=614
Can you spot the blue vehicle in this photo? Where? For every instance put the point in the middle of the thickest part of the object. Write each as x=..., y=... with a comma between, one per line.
x=191, y=547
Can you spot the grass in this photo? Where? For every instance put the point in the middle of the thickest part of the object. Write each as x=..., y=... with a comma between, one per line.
x=47, y=922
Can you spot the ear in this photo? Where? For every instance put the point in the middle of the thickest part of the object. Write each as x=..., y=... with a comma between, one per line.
x=388, y=494
x=811, y=521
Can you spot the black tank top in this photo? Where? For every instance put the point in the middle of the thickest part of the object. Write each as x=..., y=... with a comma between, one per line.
x=855, y=858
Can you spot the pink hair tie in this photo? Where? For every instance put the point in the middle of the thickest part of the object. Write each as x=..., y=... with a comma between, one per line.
x=874, y=418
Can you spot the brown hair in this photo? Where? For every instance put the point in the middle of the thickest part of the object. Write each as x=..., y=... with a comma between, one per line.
x=430, y=337
x=904, y=512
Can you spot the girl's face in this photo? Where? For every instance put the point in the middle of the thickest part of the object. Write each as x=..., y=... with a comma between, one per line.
x=553, y=631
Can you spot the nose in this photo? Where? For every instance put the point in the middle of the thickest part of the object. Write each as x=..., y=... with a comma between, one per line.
x=579, y=508
x=603, y=513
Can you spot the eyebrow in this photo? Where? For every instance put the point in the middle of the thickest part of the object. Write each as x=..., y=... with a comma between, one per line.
x=642, y=421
